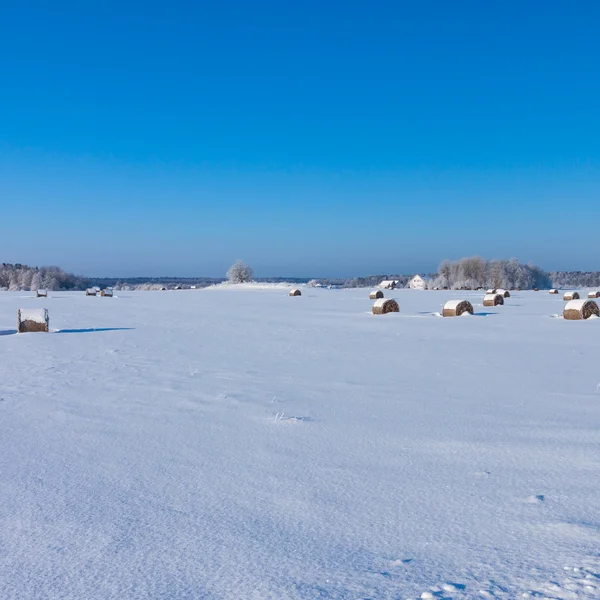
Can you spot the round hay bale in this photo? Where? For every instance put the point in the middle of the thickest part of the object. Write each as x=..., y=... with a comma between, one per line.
x=90, y=292
x=456, y=308
x=553, y=291
x=376, y=295
x=32, y=320
x=503, y=292
x=41, y=293
x=493, y=300
x=571, y=296
x=384, y=306
x=576, y=310
x=594, y=294
x=491, y=291
x=536, y=289
x=106, y=293
x=295, y=292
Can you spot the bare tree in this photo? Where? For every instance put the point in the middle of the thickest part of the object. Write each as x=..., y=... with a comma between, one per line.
x=445, y=270
x=239, y=272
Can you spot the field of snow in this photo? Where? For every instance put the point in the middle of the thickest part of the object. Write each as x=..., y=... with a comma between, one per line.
x=236, y=443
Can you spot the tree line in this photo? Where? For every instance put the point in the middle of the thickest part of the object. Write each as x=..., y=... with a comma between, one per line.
x=469, y=273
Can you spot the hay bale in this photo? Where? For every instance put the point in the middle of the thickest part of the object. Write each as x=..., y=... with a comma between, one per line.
x=106, y=293
x=576, y=310
x=456, y=308
x=295, y=292
x=376, y=295
x=491, y=291
x=571, y=296
x=33, y=319
x=41, y=293
x=536, y=289
x=382, y=306
x=594, y=294
x=553, y=291
x=493, y=300
x=90, y=292
x=503, y=292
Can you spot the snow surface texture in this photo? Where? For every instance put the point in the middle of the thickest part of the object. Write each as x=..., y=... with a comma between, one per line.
x=228, y=444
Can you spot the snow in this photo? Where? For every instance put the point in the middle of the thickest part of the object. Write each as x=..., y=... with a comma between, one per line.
x=37, y=315
x=230, y=444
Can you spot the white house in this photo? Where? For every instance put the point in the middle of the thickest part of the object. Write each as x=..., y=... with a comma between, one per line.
x=417, y=283
x=389, y=284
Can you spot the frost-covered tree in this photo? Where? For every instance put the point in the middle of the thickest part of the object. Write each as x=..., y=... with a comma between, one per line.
x=239, y=272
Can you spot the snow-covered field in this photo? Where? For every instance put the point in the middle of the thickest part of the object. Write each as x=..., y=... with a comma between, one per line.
x=242, y=444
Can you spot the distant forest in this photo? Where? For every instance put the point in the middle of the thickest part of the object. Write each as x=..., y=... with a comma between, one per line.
x=467, y=273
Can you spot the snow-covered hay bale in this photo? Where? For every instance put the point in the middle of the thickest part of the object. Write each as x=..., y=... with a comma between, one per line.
x=41, y=293
x=502, y=292
x=456, y=308
x=576, y=310
x=553, y=291
x=536, y=289
x=295, y=292
x=106, y=293
x=491, y=291
x=32, y=319
x=383, y=306
x=571, y=296
x=493, y=300
x=375, y=295
x=594, y=294
x=90, y=292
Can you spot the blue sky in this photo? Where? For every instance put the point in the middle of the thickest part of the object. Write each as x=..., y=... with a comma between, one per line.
x=325, y=138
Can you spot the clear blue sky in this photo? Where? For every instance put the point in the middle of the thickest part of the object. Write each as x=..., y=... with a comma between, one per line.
x=308, y=138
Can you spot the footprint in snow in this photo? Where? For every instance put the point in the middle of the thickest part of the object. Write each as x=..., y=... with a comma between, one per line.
x=534, y=499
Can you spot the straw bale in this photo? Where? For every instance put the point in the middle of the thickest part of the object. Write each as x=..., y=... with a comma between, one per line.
x=493, y=300
x=383, y=306
x=576, y=310
x=456, y=308
x=32, y=320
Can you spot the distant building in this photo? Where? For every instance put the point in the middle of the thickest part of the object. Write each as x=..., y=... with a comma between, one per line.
x=417, y=283
x=391, y=284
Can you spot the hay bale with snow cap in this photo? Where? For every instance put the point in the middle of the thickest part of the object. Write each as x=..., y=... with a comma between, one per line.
x=594, y=294
x=502, y=292
x=41, y=293
x=491, y=291
x=493, y=300
x=382, y=306
x=107, y=293
x=576, y=310
x=553, y=291
x=571, y=296
x=456, y=308
x=295, y=292
x=33, y=319
x=90, y=292
x=375, y=295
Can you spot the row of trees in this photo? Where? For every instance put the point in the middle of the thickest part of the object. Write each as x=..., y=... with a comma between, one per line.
x=477, y=272
x=471, y=272
x=21, y=277
x=575, y=279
